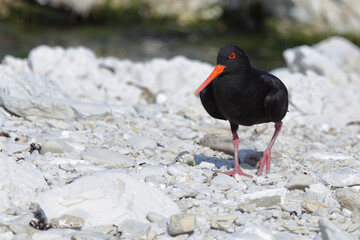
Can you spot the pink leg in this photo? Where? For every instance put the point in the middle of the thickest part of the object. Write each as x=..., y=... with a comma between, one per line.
x=237, y=168
x=265, y=160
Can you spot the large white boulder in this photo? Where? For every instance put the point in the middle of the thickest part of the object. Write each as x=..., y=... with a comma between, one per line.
x=106, y=198
x=20, y=182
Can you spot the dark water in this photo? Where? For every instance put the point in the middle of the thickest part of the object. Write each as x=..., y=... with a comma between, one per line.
x=141, y=42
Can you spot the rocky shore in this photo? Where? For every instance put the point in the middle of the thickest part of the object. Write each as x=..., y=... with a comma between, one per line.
x=107, y=148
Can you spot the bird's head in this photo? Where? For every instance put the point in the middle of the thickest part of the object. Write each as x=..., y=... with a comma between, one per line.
x=230, y=58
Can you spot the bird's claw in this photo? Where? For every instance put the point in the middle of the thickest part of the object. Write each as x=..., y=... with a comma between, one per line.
x=237, y=170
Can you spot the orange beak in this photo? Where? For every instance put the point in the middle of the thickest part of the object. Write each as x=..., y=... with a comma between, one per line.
x=218, y=69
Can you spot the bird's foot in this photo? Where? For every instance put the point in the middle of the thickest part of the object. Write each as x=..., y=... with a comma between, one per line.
x=265, y=160
x=237, y=170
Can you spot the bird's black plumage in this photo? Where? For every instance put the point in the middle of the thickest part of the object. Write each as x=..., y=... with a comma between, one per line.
x=243, y=95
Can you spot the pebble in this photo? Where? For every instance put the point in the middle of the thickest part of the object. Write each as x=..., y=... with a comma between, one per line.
x=312, y=206
x=223, y=182
x=182, y=223
x=265, y=198
x=342, y=177
x=54, y=147
x=159, y=170
x=142, y=142
x=132, y=229
x=154, y=217
x=222, y=222
x=348, y=198
x=221, y=142
x=107, y=158
x=299, y=182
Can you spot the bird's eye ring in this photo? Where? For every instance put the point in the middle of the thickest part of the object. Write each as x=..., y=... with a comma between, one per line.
x=232, y=55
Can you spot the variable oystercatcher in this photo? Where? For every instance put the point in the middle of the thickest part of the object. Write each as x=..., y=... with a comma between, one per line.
x=243, y=95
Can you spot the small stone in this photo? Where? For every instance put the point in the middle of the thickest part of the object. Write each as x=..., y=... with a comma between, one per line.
x=222, y=222
x=107, y=158
x=181, y=191
x=185, y=133
x=142, y=142
x=224, y=182
x=221, y=142
x=342, y=177
x=154, y=217
x=54, y=147
x=206, y=165
x=329, y=231
x=348, y=198
x=159, y=170
x=312, y=206
x=285, y=215
x=247, y=207
x=299, y=182
x=266, y=198
x=67, y=221
x=182, y=223
x=132, y=229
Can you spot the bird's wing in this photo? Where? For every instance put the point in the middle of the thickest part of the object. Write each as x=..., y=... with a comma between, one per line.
x=208, y=101
x=276, y=101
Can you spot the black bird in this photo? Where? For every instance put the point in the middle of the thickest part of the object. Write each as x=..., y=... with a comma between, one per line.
x=243, y=95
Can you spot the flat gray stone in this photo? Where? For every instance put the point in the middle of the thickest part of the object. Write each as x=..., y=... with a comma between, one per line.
x=221, y=142
x=107, y=158
x=300, y=181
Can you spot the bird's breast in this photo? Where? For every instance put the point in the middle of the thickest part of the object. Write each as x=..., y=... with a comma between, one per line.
x=240, y=102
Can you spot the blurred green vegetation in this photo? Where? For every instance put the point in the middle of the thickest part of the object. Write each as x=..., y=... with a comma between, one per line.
x=126, y=34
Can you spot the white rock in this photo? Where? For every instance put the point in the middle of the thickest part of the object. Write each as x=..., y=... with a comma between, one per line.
x=54, y=147
x=38, y=107
x=154, y=217
x=18, y=192
x=327, y=156
x=327, y=16
x=182, y=223
x=14, y=148
x=224, y=182
x=107, y=158
x=258, y=195
x=106, y=198
x=252, y=232
x=132, y=229
x=159, y=170
x=330, y=231
x=142, y=142
x=342, y=177
x=319, y=188
x=300, y=181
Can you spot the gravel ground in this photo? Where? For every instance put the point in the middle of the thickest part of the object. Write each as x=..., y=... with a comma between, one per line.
x=103, y=148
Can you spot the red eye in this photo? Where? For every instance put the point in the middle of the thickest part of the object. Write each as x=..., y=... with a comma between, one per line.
x=232, y=55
